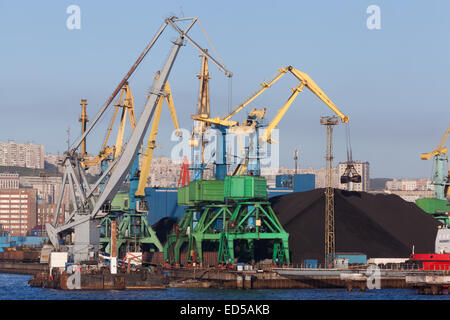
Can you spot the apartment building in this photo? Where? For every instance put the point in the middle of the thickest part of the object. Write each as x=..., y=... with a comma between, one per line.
x=409, y=185
x=28, y=155
x=17, y=210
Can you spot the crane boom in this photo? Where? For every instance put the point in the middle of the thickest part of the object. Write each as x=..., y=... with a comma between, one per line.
x=305, y=80
x=125, y=161
x=130, y=152
x=85, y=216
x=121, y=83
x=151, y=144
x=126, y=102
x=438, y=150
x=264, y=87
x=311, y=85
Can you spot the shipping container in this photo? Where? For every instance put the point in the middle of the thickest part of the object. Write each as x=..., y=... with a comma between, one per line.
x=245, y=187
x=183, y=196
x=206, y=191
x=284, y=181
x=310, y=263
x=352, y=257
x=201, y=191
x=304, y=182
x=22, y=241
x=162, y=203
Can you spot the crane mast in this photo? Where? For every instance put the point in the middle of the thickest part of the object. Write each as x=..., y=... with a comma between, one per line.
x=441, y=176
x=84, y=219
x=330, y=248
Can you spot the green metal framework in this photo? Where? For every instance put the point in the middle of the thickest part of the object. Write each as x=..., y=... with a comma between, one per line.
x=223, y=225
x=133, y=232
x=437, y=208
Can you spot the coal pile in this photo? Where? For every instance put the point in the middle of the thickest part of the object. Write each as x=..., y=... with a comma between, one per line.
x=378, y=225
x=163, y=227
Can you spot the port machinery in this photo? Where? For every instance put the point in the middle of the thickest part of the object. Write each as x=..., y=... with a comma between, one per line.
x=438, y=206
x=235, y=208
x=89, y=210
x=134, y=232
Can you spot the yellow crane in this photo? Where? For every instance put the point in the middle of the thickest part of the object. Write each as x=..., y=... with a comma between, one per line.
x=197, y=140
x=305, y=81
x=441, y=177
x=151, y=145
x=124, y=102
x=439, y=150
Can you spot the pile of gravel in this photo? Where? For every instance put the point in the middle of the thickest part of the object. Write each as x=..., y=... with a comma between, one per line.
x=378, y=225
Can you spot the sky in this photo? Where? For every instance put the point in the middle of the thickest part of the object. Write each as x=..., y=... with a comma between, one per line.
x=392, y=82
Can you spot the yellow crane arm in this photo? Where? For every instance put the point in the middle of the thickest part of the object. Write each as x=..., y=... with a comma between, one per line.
x=108, y=132
x=151, y=144
x=438, y=150
x=95, y=161
x=311, y=85
x=126, y=102
x=264, y=86
x=305, y=80
x=127, y=107
x=266, y=136
x=171, y=105
x=216, y=120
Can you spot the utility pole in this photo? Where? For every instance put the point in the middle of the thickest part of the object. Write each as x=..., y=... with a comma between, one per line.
x=68, y=138
x=84, y=120
x=330, y=248
x=45, y=203
x=296, y=160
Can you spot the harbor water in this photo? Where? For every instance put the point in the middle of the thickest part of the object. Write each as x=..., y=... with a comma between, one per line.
x=15, y=287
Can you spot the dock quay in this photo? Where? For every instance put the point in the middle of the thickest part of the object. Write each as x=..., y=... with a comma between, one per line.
x=157, y=277
x=101, y=280
x=431, y=283
x=22, y=267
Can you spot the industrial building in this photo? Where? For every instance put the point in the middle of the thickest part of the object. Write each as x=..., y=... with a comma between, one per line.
x=48, y=187
x=46, y=213
x=9, y=180
x=18, y=208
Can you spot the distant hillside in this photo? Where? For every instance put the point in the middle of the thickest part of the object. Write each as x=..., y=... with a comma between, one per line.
x=22, y=171
x=378, y=183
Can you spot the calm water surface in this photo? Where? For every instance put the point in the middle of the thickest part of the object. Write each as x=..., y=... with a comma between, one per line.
x=15, y=287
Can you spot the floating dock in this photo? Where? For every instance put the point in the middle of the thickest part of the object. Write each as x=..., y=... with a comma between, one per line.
x=269, y=278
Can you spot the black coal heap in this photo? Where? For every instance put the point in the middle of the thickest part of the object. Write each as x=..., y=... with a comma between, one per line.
x=379, y=225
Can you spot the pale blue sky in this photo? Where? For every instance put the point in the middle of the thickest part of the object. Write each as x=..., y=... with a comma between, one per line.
x=393, y=83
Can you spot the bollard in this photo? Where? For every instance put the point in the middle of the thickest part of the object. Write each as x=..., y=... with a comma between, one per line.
x=248, y=282
x=239, y=282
